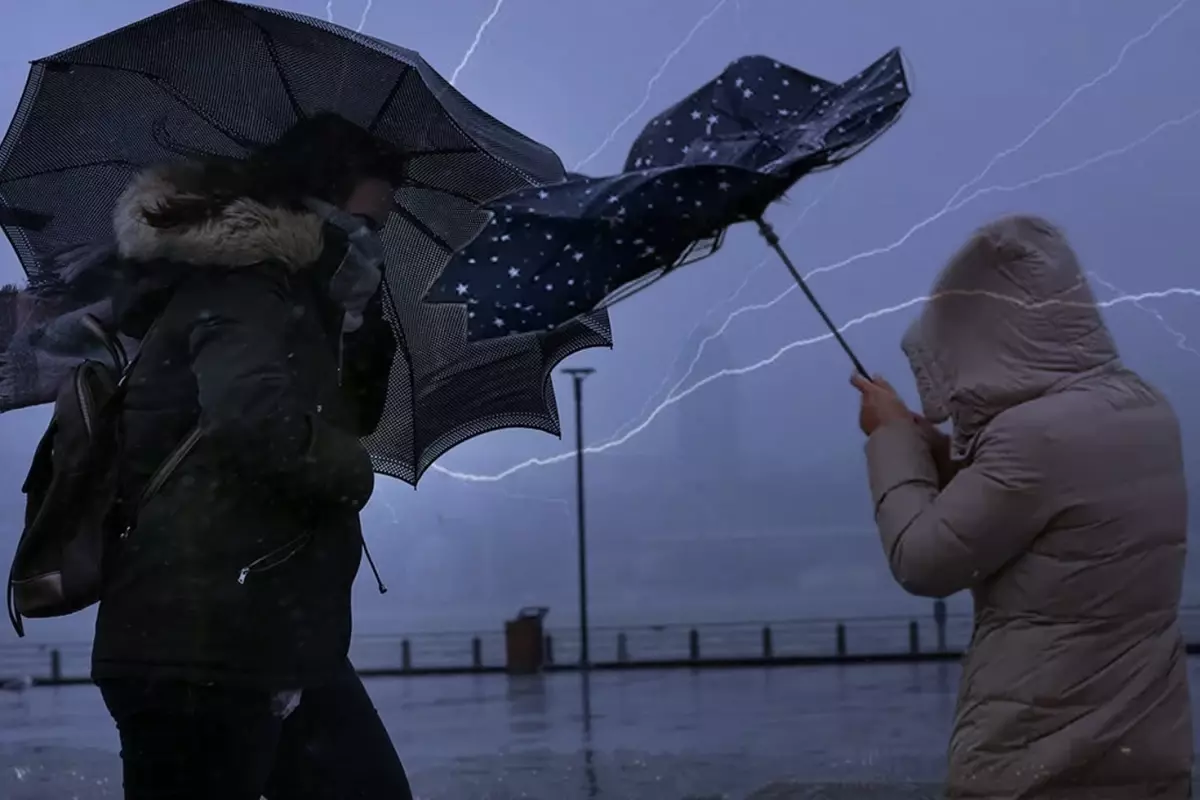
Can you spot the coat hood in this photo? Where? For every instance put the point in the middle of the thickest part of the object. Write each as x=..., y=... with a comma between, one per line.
x=244, y=233
x=1012, y=318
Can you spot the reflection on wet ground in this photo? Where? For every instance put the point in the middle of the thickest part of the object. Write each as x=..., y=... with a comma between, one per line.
x=813, y=732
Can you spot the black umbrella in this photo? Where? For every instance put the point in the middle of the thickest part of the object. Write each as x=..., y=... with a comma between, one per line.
x=218, y=78
x=720, y=156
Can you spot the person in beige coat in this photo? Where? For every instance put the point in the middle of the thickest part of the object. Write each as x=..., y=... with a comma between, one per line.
x=1060, y=502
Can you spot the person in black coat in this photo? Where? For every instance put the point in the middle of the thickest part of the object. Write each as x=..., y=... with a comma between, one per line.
x=222, y=637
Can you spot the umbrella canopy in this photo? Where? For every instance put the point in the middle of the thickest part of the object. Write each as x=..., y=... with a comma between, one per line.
x=719, y=157
x=764, y=115
x=555, y=252
x=221, y=79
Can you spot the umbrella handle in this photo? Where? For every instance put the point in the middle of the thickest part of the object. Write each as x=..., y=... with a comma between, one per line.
x=768, y=233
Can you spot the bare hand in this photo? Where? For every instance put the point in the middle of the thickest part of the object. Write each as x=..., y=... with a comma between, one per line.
x=880, y=404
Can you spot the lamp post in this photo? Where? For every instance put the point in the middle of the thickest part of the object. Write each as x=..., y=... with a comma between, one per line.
x=939, y=619
x=578, y=375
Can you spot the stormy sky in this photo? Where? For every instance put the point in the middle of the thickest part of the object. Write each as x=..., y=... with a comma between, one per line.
x=742, y=496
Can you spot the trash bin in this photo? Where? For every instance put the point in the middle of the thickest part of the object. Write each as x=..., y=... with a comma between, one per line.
x=523, y=641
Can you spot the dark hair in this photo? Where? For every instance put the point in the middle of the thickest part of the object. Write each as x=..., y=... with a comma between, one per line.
x=323, y=156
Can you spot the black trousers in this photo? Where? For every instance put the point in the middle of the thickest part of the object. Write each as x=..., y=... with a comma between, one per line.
x=182, y=741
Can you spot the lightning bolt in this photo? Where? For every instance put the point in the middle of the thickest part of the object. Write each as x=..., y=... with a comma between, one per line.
x=1106, y=74
x=787, y=348
x=787, y=233
x=650, y=84
x=475, y=42
x=951, y=205
x=1180, y=338
x=750, y=273
x=674, y=397
x=366, y=12
x=1061, y=173
x=329, y=10
x=956, y=200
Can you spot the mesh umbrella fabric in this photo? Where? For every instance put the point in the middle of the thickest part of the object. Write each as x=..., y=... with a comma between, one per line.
x=219, y=78
x=719, y=157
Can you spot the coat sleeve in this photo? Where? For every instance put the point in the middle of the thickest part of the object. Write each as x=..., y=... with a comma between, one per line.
x=367, y=358
x=940, y=542
x=249, y=412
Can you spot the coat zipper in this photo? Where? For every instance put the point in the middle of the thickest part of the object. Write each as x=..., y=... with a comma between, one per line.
x=162, y=474
x=275, y=558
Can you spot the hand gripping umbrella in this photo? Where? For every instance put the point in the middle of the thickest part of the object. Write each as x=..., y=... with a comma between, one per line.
x=220, y=79
x=719, y=157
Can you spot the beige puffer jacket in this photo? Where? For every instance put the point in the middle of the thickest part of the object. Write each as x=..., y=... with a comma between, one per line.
x=1066, y=518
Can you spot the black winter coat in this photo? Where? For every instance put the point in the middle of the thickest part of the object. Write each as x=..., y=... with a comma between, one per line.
x=241, y=451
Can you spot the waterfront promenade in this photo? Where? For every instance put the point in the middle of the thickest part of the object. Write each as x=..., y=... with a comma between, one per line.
x=681, y=645
x=846, y=732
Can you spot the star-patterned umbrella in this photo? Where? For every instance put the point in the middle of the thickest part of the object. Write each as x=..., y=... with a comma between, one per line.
x=719, y=157
x=554, y=252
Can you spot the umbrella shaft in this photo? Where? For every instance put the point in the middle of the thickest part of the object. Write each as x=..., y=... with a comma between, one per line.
x=772, y=238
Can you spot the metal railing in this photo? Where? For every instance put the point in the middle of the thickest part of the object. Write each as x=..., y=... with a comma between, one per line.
x=891, y=638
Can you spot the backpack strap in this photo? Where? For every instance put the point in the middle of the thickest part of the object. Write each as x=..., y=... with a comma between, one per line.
x=128, y=369
x=111, y=342
x=14, y=617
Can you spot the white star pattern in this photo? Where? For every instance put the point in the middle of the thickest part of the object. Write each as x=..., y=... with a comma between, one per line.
x=763, y=124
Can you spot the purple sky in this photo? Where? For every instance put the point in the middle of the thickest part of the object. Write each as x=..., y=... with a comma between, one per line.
x=746, y=499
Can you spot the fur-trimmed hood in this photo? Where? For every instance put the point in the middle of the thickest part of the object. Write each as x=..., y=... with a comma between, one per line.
x=245, y=233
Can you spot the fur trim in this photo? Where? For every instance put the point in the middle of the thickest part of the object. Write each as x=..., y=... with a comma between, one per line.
x=244, y=234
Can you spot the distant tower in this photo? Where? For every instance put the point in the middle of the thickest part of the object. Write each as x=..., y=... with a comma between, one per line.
x=708, y=423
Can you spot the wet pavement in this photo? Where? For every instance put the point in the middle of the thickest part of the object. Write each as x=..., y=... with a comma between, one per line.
x=811, y=732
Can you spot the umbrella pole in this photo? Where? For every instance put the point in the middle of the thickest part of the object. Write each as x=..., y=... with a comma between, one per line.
x=772, y=238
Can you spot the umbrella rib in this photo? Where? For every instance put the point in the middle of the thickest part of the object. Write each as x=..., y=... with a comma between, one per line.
x=399, y=82
x=270, y=43
x=423, y=228
x=419, y=184
x=112, y=162
x=172, y=91
x=450, y=151
x=406, y=351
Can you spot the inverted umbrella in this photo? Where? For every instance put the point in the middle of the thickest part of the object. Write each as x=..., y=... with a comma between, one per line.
x=721, y=156
x=554, y=252
x=220, y=79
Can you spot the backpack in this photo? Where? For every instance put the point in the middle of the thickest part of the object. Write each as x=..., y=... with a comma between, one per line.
x=72, y=517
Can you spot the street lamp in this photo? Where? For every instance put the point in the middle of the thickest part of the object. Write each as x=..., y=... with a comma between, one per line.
x=578, y=375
